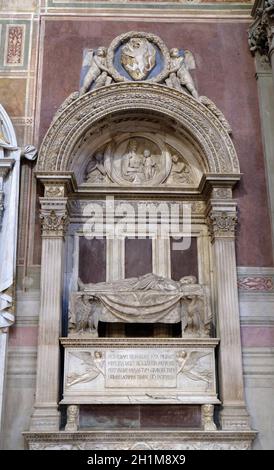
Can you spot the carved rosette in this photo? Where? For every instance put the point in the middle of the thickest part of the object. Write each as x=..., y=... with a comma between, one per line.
x=54, y=220
x=222, y=224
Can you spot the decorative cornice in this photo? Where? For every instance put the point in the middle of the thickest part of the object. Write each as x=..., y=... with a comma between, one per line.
x=138, y=342
x=140, y=439
x=256, y=284
x=169, y=8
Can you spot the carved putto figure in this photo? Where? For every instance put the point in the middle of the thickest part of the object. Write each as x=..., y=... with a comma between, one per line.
x=180, y=71
x=98, y=74
x=138, y=57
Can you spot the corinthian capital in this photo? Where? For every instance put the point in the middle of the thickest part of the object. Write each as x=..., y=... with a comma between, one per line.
x=261, y=30
x=54, y=217
x=222, y=224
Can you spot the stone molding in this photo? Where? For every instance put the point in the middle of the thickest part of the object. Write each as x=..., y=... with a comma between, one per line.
x=56, y=152
x=137, y=342
x=259, y=364
x=143, y=440
x=255, y=280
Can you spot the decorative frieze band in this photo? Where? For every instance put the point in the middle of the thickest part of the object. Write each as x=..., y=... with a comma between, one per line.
x=256, y=284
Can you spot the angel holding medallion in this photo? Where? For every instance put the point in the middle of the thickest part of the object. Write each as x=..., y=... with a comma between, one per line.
x=97, y=74
x=180, y=66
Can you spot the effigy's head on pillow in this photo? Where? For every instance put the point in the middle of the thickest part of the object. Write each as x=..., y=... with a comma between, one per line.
x=188, y=280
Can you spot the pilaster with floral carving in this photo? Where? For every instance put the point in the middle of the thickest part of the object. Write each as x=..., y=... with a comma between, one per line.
x=54, y=218
x=222, y=220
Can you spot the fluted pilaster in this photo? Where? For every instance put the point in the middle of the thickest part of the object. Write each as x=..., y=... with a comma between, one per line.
x=54, y=221
x=222, y=220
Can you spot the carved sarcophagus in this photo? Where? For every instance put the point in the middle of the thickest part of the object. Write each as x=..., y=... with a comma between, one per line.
x=126, y=370
x=146, y=299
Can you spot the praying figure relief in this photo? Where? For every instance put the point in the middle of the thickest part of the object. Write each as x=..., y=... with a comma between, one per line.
x=95, y=171
x=180, y=171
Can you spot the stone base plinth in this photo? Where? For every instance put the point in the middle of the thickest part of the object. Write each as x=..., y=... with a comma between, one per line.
x=150, y=439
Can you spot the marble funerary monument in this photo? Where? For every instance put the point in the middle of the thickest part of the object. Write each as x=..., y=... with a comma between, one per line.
x=136, y=135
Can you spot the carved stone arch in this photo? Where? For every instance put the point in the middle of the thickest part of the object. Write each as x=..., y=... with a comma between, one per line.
x=190, y=115
x=8, y=127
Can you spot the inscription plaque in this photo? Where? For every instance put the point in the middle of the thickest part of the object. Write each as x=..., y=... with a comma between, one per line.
x=141, y=368
x=150, y=370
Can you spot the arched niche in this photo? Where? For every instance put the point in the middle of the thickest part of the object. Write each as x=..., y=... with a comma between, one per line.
x=94, y=112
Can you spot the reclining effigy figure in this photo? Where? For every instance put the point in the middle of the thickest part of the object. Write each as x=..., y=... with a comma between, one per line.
x=145, y=299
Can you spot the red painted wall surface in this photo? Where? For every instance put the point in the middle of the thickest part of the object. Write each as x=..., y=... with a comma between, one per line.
x=225, y=73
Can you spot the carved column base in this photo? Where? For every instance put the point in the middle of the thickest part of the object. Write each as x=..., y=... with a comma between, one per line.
x=45, y=417
x=235, y=417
